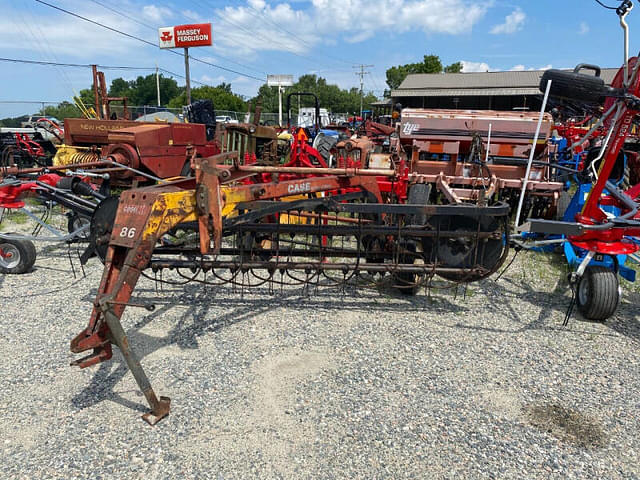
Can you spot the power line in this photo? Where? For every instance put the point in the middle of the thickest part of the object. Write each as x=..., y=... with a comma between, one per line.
x=155, y=29
x=87, y=65
x=361, y=74
x=124, y=15
x=146, y=41
x=269, y=40
x=58, y=64
x=278, y=25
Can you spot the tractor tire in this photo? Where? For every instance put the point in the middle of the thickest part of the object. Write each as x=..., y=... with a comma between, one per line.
x=21, y=256
x=324, y=144
x=104, y=216
x=626, y=184
x=419, y=195
x=407, y=283
x=187, y=171
x=463, y=253
x=564, y=200
x=598, y=293
x=75, y=222
x=574, y=86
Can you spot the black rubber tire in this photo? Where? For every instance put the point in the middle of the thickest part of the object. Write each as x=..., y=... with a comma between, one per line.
x=73, y=224
x=563, y=203
x=26, y=251
x=104, y=217
x=405, y=282
x=460, y=253
x=626, y=184
x=419, y=195
x=324, y=144
x=187, y=171
x=598, y=293
x=574, y=86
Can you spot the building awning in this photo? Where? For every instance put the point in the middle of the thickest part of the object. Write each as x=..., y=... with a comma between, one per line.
x=382, y=103
x=465, y=92
x=487, y=84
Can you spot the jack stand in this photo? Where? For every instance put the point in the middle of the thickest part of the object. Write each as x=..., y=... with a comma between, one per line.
x=159, y=408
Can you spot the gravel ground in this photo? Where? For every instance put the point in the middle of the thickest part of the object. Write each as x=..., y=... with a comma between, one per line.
x=356, y=384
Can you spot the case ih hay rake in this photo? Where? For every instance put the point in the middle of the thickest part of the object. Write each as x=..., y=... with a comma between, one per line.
x=250, y=235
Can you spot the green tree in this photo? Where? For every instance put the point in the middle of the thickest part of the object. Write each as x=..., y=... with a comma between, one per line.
x=429, y=64
x=221, y=96
x=62, y=110
x=143, y=90
x=269, y=98
x=331, y=97
x=13, y=122
x=453, y=68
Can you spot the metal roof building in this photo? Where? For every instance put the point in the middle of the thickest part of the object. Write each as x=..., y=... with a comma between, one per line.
x=481, y=91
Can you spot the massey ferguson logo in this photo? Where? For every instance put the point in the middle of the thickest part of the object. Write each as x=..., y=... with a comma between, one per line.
x=167, y=37
x=409, y=128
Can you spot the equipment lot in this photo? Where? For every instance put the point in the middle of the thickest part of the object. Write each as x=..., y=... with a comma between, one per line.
x=354, y=384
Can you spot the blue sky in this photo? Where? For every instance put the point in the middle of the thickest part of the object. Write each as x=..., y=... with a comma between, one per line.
x=327, y=37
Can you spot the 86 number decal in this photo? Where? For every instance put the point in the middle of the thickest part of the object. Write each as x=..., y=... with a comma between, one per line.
x=127, y=232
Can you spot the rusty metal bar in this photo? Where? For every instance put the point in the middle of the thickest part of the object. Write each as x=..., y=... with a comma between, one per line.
x=16, y=170
x=296, y=213
x=350, y=172
x=277, y=265
x=159, y=407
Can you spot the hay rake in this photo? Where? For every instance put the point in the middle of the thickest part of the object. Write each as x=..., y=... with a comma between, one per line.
x=330, y=229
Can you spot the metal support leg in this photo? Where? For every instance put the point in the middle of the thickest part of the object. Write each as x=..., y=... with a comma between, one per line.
x=159, y=408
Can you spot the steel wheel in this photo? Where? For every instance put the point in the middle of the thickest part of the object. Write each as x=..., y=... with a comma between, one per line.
x=9, y=256
x=463, y=252
x=16, y=256
x=76, y=222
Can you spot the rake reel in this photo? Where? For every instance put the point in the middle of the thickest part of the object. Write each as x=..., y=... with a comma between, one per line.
x=217, y=232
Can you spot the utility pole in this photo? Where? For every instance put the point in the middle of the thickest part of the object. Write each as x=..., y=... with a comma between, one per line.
x=186, y=72
x=361, y=74
x=158, y=84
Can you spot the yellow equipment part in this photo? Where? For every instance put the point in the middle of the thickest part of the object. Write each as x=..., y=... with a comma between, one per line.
x=67, y=155
x=229, y=207
x=169, y=210
x=287, y=219
x=172, y=208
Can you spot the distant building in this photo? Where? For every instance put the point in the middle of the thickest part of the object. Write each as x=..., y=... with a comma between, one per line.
x=478, y=91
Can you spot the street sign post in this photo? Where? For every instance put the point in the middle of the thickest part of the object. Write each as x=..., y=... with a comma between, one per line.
x=280, y=81
x=185, y=36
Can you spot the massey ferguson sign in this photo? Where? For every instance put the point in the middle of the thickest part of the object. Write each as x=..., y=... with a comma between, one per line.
x=185, y=36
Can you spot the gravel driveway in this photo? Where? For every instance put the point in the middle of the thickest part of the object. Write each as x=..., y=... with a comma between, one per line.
x=355, y=384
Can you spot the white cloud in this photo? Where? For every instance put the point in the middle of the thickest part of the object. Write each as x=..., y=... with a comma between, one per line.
x=191, y=15
x=156, y=14
x=470, y=67
x=212, y=80
x=512, y=23
x=522, y=68
x=66, y=35
x=269, y=26
x=584, y=28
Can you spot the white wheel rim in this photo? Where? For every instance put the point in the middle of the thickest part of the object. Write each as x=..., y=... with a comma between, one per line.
x=10, y=257
x=78, y=223
x=583, y=291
